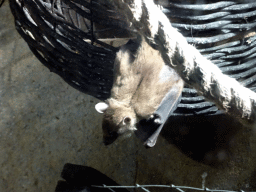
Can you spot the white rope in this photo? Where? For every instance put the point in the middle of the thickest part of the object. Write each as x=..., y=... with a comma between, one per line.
x=196, y=70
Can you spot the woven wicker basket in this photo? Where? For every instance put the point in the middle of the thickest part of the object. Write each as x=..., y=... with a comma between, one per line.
x=78, y=40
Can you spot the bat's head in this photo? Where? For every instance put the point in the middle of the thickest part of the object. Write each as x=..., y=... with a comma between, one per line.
x=119, y=119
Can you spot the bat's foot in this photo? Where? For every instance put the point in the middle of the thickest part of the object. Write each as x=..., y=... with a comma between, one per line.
x=156, y=118
x=157, y=121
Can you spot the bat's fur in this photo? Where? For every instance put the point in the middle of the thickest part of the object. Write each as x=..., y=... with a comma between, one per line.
x=139, y=86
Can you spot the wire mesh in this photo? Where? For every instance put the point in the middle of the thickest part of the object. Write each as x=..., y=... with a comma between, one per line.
x=178, y=188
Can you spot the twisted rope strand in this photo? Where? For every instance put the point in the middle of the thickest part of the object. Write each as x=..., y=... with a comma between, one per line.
x=196, y=70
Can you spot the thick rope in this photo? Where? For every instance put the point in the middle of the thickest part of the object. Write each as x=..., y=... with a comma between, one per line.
x=196, y=70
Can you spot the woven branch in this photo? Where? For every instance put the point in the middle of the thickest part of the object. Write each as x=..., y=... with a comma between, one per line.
x=196, y=70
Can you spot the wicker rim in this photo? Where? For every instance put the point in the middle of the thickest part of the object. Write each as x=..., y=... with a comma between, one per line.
x=61, y=35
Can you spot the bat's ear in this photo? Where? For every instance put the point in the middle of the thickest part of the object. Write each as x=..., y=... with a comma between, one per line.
x=101, y=107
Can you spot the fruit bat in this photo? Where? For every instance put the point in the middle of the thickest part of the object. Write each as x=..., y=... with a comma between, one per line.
x=145, y=92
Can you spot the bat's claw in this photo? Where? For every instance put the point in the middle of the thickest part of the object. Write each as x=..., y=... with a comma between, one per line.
x=157, y=121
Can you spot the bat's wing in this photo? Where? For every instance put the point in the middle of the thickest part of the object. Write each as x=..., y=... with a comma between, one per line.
x=149, y=130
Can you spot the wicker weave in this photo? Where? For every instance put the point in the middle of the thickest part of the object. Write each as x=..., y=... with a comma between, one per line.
x=60, y=34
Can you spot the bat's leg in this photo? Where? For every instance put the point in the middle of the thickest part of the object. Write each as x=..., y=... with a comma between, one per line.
x=167, y=106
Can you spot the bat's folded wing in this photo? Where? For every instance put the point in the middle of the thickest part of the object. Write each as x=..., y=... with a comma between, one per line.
x=149, y=129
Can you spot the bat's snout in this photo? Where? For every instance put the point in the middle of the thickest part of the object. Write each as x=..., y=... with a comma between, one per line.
x=109, y=139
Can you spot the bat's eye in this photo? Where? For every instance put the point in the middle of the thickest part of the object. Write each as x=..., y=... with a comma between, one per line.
x=127, y=120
